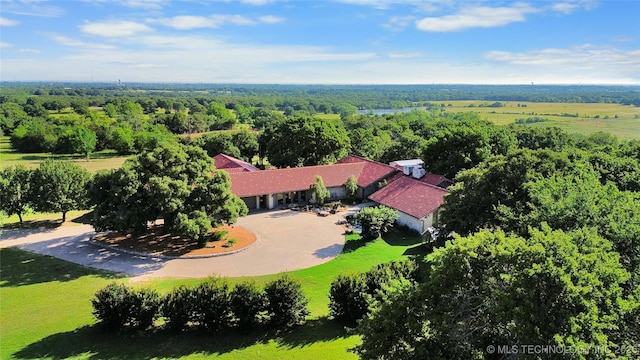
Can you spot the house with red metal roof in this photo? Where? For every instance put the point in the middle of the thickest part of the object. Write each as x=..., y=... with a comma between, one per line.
x=412, y=193
x=417, y=202
x=267, y=189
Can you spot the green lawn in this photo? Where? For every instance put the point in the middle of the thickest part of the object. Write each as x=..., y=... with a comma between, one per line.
x=38, y=219
x=46, y=312
x=100, y=160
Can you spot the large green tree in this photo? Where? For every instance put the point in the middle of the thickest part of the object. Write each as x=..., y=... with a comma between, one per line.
x=15, y=191
x=495, y=192
x=304, y=141
x=175, y=182
x=461, y=146
x=574, y=201
x=218, y=143
x=552, y=288
x=60, y=187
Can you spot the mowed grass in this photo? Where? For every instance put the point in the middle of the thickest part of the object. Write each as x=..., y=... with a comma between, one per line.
x=100, y=160
x=48, y=220
x=46, y=312
x=622, y=121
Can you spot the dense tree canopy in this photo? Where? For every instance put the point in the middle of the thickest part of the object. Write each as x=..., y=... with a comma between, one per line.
x=304, y=141
x=15, y=191
x=177, y=183
x=554, y=288
x=60, y=187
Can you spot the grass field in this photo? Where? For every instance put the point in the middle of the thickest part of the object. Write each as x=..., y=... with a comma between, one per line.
x=622, y=121
x=101, y=160
x=46, y=312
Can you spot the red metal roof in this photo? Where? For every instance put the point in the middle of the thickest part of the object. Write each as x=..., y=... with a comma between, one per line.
x=372, y=172
x=433, y=179
x=291, y=179
x=410, y=196
x=231, y=164
x=248, y=182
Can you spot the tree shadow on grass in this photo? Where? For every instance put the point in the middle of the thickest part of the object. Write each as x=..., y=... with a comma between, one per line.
x=32, y=226
x=400, y=237
x=95, y=343
x=84, y=219
x=19, y=267
x=354, y=244
x=418, y=251
x=329, y=251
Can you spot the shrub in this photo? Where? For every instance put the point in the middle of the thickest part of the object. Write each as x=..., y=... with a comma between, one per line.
x=286, y=304
x=145, y=308
x=230, y=242
x=383, y=274
x=351, y=297
x=247, y=302
x=178, y=307
x=219, y=235
x=348, y=298
x=376, y=220
x=213, y=304
x=112, y=306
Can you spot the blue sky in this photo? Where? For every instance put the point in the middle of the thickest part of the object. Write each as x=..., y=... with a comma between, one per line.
x=321, y=42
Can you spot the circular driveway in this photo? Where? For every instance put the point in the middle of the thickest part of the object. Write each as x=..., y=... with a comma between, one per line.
x=286, y=240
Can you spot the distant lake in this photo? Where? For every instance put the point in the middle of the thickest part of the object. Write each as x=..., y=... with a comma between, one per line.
x=389, y=111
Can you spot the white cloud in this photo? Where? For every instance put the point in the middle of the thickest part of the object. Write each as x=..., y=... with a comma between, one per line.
x=31, y=8
x=386, y=4
x=270, y=19
x=587, y=61
x=476, y=17
x=29, y=51
x=8, y=22
x=405, y=55
x=398, y=23
x=232, y=19
x=186, y=22
x=136, y=4
x=61, y=39
x=114, y=28
x=258, y=2
x=145, y=4
x=568, y=7
x=5, y=44
x=623, y=39
x=584, y=55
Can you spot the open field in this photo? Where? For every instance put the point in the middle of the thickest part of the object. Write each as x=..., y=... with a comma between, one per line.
x=100, y=160
x=46, y=312
x=622, y=121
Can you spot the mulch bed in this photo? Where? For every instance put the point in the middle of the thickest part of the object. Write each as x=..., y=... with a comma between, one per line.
x=156, y=241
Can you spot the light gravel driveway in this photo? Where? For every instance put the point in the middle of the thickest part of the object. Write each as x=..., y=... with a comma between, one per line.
x=287, y=240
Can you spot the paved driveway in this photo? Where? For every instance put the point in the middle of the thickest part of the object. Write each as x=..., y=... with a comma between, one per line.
x=287, y=240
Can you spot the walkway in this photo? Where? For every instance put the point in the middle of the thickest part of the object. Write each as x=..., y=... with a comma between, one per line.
x=287, y=240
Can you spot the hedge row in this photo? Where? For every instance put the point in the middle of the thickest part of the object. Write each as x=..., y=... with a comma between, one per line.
x=212, y=305
x=351, y=296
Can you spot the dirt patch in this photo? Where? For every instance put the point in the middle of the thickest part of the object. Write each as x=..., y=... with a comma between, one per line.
x=156, y=241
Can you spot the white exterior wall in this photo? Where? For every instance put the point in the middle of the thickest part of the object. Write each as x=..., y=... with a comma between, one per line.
x=419, y=225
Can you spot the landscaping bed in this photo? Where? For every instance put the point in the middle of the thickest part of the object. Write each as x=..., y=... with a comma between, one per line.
x=156, y=241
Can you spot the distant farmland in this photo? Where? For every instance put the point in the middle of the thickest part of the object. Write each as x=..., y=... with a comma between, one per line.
x=622, y=121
